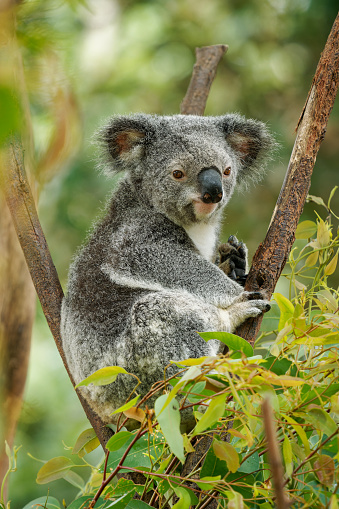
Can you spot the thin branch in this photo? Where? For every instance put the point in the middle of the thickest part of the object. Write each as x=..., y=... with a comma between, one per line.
x=274, y=457
x=204, y=70
x=272, y=254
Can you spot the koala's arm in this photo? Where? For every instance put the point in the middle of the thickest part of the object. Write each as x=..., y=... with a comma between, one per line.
x=157, y=264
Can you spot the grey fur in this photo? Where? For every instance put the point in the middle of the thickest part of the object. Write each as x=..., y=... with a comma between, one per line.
x=146, y=280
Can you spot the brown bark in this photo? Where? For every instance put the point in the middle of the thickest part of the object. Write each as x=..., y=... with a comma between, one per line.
x=204, y=70
x=271, y=256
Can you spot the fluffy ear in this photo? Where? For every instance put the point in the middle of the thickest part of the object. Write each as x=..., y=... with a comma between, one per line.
x=251, y=141
x=124, y=140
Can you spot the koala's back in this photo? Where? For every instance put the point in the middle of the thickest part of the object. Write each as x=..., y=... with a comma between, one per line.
x=92, y=298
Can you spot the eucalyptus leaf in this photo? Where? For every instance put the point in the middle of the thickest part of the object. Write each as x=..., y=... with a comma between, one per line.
x=231, y=340
x=54, y=469
x=213, y=413
x=169, y=420
x=103, y=376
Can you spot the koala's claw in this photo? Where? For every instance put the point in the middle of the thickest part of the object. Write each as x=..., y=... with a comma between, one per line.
x=233, y=258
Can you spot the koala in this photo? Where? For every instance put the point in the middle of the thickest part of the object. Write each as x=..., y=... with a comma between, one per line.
x=147, y=279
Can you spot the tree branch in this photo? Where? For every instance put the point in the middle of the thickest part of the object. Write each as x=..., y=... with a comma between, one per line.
x=274, y=457
x=204, y=70
x=44, y=275
x=271, y=256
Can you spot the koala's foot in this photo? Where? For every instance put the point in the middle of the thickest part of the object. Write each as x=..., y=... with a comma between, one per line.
x=247, y=305
x=233, y=259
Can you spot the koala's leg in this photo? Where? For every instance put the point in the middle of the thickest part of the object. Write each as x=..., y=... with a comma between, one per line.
x=247, y=305
x=162, y=328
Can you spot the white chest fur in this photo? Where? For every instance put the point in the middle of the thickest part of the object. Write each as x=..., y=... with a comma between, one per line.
x=204, y=237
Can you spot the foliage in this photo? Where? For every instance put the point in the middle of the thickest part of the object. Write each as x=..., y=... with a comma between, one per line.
x=299, y=375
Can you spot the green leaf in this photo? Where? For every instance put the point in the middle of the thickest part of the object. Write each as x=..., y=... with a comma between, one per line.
x=330, y=267
x=207, y=480
x=236, y=500
x=124, y=486
x=213, y=413
x=43, y=503
x=103, y=376
x=86, y=442
x=212, y=465
x=231, y=340
x=299, y=429
x=169, y=420
x=288, y=456
x=251, y=464
x=192, y=373
x=334, y=502
x=143, y=453
x=184, y=501
x=286, y=309
x=118, y=440
x=284, y=304
x=312, y=259
x=126, y=406
x=226, y=452
x=280, y=366
x=54, y=469
x=316, y=199
x=331, y=196
x=74, y=479
x=323, y=234
x=305, y=230
x=319, y=420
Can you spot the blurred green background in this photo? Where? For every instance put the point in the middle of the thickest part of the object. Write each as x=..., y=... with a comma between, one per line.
x=85, y=62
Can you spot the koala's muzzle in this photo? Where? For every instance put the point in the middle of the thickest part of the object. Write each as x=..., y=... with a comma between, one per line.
x=210, y=185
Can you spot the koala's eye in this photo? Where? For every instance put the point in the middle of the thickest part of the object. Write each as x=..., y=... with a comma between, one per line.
x=178, y=174
x=227, y=171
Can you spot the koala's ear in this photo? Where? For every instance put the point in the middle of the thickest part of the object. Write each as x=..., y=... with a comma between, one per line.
x=124, y=140
x=251, y=141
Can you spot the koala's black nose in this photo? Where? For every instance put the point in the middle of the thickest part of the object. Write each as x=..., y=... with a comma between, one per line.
x=210, y=185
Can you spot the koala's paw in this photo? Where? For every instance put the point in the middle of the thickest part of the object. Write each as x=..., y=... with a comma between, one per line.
x=255, y=303
x=248, y=305
x=233, y=259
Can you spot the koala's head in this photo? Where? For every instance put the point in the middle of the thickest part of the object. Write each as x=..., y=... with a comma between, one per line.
x=186, y=167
